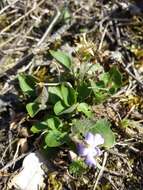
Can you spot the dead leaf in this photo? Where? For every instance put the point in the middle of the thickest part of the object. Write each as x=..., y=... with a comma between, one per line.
x=54, y=183
x=23, y=144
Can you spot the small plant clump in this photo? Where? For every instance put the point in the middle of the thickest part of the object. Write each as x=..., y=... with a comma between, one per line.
x=64, y=106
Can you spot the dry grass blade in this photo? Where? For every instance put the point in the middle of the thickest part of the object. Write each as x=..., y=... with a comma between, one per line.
x=20, y=18
x=101, y=170
x=58, y=14
x=8, y=6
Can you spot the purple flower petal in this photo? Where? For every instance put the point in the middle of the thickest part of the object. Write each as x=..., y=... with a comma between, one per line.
x=89, y=138
x=98, y=151
x=90, y=151
x=98, y=140
x=82, y=150
x=93, y=151
x=90, y=161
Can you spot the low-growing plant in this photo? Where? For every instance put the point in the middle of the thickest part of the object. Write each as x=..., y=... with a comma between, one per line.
x=65, y=103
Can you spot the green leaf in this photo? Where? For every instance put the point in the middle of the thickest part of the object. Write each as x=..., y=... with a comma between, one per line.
x=55, y=138
x=112, y=78
x=69, y=110
x=116, y=76
x=85, y=108
x=72, y=98
x=105, y=77
x=81, y=127
x=108, y=84
x=38, y=127
x=112, y=90
x=102, y=127
x=59, y=107
x=65, y=94
x=93, y=86
x=83, y=91
x=32, y=108
x=50, y=122
x=55, y=90
x=99, y=92
x=69, y=95
x=62, y=58
x=54, y=122
x=39, y=104
x=100, y=96
x=55, y=94
x=27, y=83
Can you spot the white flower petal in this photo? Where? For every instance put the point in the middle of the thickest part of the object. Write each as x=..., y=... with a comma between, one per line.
x=98, y=140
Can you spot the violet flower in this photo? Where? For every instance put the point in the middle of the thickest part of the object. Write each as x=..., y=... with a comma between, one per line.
x=90, y=149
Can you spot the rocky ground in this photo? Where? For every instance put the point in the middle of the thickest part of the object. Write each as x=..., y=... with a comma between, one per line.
x=108, y=33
